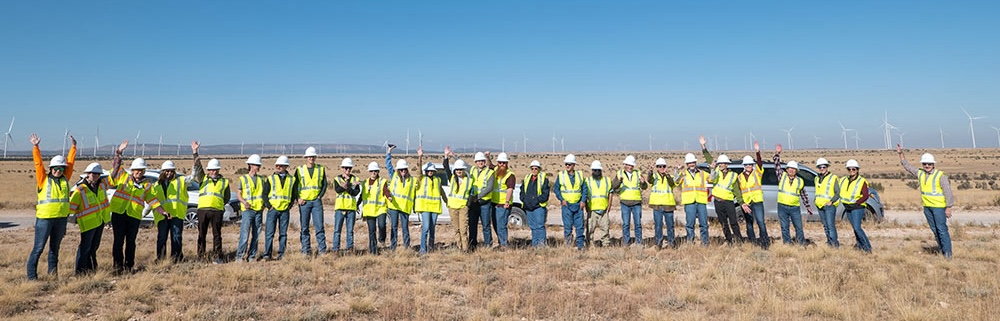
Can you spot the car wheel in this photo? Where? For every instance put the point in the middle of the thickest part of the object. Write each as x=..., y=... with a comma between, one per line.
x=872, y=216
x=516, y=217
x=191, y=218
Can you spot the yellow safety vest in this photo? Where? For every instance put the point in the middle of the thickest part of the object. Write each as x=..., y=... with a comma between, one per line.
x=788, y=190
x=344, y=201
x=723, y=186
x=91, y=208
x=280, y=195
x=458, y=191
x=630, y=187
x=252, y=190
x=694, y=188
x=931, y=192
x=429, y=195
x=599, y=191
x=53, y=198
x=824, y=190
x=750, y=187
x=130, y=196
x=850, y=192
x=541, y=180
x=174, y=201
x=402, y=193
x=211, y=192
x=372, y=198
x=571, y=190
x=479, y=178
x=500, y=195
x=662, y=193
x=309, y=185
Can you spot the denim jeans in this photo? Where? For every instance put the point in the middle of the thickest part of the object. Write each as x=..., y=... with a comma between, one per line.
x=699, y=211
x=249, y=229
x=828, y=214
x=757, y=210
x=859, y=234
x=400, y=221
x=276, y=219
x=124, y=228
x=634, y=214
x=86, y=254
x=339, y=218
x=49, y=230
x=312, y=209
x=661, y=218
x=171, y=229
x=939, y=226
x=572, y=218
x=428, y=222
x=500, y=216
x=536, y=221
x=486, y=218
x=794, y=214
x=380, y=222
x=372, y=223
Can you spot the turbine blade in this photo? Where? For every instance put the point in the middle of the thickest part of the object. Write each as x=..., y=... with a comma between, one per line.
x=11, y=125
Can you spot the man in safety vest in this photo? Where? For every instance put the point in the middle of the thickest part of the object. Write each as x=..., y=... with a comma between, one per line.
x=373, y=206
x=535, y=198
x=89, y=202
x=503, y=195
x=791, y=198
x=481, y=202
x=629, y=183
x=347, y=187
x=936, y=196
x=52, y=209
x=752, y=203
x=569, y=189
x=402, y=190
x=725, y=190
x=132, y=193
x=853, y=194
x=459, y=195
x=171, y=190
x=311, y=184
x=252, y=193
x=598, y=199
x=827, y=198
x=661, y=199
x=213, y=194
x=280, y=199
x=694, y=197
x=429, y=194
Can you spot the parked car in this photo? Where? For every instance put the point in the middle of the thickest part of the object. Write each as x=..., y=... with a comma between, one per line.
x=875, y=210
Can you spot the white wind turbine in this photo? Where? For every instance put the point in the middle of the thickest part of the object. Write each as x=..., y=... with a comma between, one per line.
x=788, y=133
x=900, y=133
x=97, y=140
x=525, y=145
x=888, y=130
x=503, y=144
x=420, y=138
x=65, y=137
x=7, y=138
x=998, y=134
x=857, y=140
x=843, y=133
x=554, y=141
x=407, y=142
x=942, y=136
x=562, y=143
x=972, y=130
x=135, y=148
x=650, y=141
x=817, y=138
x=158, y=148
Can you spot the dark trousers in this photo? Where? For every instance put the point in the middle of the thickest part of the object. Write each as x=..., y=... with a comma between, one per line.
x=125, y=228
x=372, y=223
x=173, y=229
x=86, y=254
x=210, y=217
x=725, y=211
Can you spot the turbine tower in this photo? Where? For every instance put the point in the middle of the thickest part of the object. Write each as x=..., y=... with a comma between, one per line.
x=160, y=147
x=135, y=148
x=972, y=130
x=843, y=133
x=7, y=138
x=97, y=140
x=998, y=134
x=888, y=130
x=407, y=142
x=817, y=138
x=554, y=141
x=857, y=140
x=525, y=145
x=65, y=137
x=942, y=136
x=788, y=133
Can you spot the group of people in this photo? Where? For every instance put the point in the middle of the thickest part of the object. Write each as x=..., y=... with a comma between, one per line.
x=476, y=197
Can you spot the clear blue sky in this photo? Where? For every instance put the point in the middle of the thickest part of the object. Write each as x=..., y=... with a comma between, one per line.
x=604, y=74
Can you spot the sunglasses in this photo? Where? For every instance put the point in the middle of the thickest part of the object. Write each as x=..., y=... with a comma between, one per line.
x=661, y=166
x=928, y=164
x=570, y=164
x=59, y=168
x=822, y=166
x=501, y=163
x=373, y=171
x=852, y=169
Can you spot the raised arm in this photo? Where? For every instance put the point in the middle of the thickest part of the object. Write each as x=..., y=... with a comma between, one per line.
x=71, y=158
x=36, y=155
x=704, y=150
x=902, y=161
x=197, y=171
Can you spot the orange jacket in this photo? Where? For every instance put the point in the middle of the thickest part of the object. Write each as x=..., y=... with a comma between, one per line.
x=41, y=172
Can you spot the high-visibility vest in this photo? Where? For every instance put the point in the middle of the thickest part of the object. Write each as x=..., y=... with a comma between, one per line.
x=345, y=201
x=824, y=190
x=280, y=195
x=479, y=179
x=789, y=189
x=931, y=192
x=599, y=191
x=694, y=187
x=630, y=186
x=174, y=201
x=662, y=193
x=211, y=192
x=541, y=180
x=252, y=190
x=131, y=196
x=750, y=187
x=723, y=188
x=458, y=191
x=310, y=185
x=850, y=192
x=91, y=208
x=53, y=198
x=571, y=189
x=429, y=195
x=500, y=194
x=402, y=191
x=372, y=198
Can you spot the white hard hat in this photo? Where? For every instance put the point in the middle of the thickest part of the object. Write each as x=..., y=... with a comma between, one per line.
x=660, y=161
x=502, y=158
x=373, y=166
x=793, y=164
x=852, y=163
x=596, y=165
x=282, y=160
x=429, y=167
x=401, y=164
x=311, y=152
x=58, y=160
x=723, y=159
x=747, y=160
x=347, y=162
x=570, y=159
x=689, y=158
x=460, y=164
x=214, y=164
x=629, y=160
x=168, y=165
x=822, y=161
x=254, y=160
x=479, y=157
x=138, y=163
x=927, y=158
x=94, y=168
x=535, y=163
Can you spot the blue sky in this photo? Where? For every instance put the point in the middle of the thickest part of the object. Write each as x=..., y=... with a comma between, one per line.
x=603, y=74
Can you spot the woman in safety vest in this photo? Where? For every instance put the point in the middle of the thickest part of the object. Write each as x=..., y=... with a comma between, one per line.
x=89, y=203
x=459, y=197
x=52, y=209
x=752, y=202
x=373, y=206
x=171, y=191
x=402, y=189
x=936, y=196
x=347, y=187
x=132, y=193
x=663, y=202
x=827, y=198
x=427, y=204
x=853, y=194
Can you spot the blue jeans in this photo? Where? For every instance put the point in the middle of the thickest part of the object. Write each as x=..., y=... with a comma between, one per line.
x=372, y=223
x=428, y=222
x=380, y=223
x=859, y=234
x=486, y=218
x=794, y=214
x=659, y=218
x=500, y=216
x=86, y=254
x=49, y=230
x=572, y=217
x=939, y=226
x=312, y=209
x=536, y=221
x=757, y=213
x=691, y=211
x=173, y=230
x=828, y=214
x=398, y=218
x=634, y=213
x=249, y=228
x=276, y=219
x=338, y=225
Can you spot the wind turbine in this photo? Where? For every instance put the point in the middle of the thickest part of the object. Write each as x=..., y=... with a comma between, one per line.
x=420, y=138
x=407, y=142
x=942, y=135
x=650, y=141
x=503, y=144
x=160, y=147
x=888, y=127
x=843, y=133
x=7, y=137
x=178, y=148
x=525, y=145
x=900, y=133
x=65, y=137
x=857, y=140
x=562, y=143
x=998, y=135
x=554, y=141
x=97, y=140
x=788, y=133
x=817, y=138
x=241, y=147
x=971, y=129
x=135, y=148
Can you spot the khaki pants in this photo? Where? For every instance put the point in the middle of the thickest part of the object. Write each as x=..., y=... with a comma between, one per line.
x=599, y=228
x=460, y=221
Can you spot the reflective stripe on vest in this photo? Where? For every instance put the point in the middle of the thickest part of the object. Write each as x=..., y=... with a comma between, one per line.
x=723, y=186
x=211, y=193
x=500, y=195
x=850, y=194
x=479, y=178
x=541, y=180
x=345, y=201
x=174, y=201
x=788, y=190
x=571, y=188
x=429, y=195
x=931, y=193
x=458, y=191
x=694, y=188
x=750, y=187
x=53, y=198
x=402, y=194
x=372, y=199
x=824, y=190
x=599, y=191
x=93, y=208
x=130, y=196
x=309, y=186
x=662, y=193
x=280, y=195
x=630, y=186
x=252, y=190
